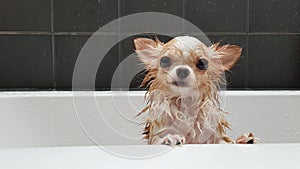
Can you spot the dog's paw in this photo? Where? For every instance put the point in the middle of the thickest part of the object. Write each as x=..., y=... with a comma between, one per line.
x=246, y=139
x=173, y=139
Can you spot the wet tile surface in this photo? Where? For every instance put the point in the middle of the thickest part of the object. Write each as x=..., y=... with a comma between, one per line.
x=84, y=16
x=26, y=62
x=274, y=16
x=274, y=62
x=217, y=15
x=29, y=15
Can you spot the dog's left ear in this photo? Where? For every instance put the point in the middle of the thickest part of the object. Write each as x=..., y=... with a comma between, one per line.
x=148, y=50
x=227, y=54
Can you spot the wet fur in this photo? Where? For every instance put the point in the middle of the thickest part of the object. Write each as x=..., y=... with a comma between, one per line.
x=189, y=118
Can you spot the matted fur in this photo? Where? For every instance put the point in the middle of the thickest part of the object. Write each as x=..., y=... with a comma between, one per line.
x=193, y=117
x=165, y=110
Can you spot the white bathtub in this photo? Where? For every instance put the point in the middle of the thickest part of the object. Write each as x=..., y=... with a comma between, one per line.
x=36, y=126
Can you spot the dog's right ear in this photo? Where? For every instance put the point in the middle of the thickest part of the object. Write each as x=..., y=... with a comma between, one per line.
x=148, y=50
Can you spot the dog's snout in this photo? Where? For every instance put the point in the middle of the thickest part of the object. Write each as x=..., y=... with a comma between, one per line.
x=182, y=72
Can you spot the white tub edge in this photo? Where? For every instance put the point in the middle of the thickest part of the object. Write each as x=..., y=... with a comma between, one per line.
x=137, y=93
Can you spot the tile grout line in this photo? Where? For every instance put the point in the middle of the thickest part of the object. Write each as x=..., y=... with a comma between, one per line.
x=24, y=33
x=247, y=41
x=119, y=43
x=183, y=14
x=133, y=33
x=53, y=44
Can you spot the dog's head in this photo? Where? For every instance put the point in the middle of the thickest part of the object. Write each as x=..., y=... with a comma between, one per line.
x=184, y=63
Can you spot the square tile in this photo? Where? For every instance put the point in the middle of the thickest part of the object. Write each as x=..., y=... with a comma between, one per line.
x=26, y=62
x=29, y=15
x=217, y=15
x=68, y=48
x=152, y=22
x=174, y=7
x=84, y=16
x=274, y=16
x=274, y=62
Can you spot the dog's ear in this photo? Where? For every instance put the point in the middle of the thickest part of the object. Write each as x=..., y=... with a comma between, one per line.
x=148, y=50
x=227, y=55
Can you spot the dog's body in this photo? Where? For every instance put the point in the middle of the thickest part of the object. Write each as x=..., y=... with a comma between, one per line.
x=183, y=77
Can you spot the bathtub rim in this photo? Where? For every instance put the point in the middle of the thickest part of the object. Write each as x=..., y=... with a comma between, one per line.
x=9, y=94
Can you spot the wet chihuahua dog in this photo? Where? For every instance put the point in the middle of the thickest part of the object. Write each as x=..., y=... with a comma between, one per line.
x=184, y=77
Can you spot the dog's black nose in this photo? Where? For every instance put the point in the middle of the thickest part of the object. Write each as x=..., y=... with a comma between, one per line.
x=182, y=72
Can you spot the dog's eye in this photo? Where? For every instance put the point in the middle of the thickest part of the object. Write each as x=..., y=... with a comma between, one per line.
x=202, y=64
x=165, y=61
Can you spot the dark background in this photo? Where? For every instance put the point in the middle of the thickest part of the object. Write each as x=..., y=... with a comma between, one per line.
x=41, y=39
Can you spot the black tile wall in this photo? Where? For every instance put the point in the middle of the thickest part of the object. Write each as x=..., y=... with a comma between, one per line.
x=274, y=16
x=67, y=49
x=217, y=15
x=25, y=62
x=29, y=15
x=174, y=7
x=67, y=52
x=40, y=40
x=108, y=66
x=274, y=62
x=83, y=16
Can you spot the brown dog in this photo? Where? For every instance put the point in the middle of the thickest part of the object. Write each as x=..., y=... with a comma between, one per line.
x=183, y=77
